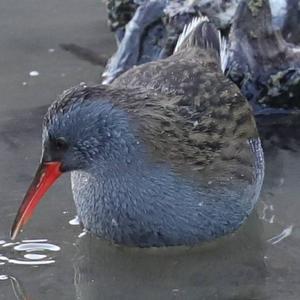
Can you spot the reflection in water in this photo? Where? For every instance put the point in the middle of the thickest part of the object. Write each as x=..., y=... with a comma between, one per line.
x=82, y=234
x=214, y=270
x=267, y=214
x=284, y=234
x=17, y=287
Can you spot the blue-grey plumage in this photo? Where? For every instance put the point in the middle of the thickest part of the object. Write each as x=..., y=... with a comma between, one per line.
x=167, y=155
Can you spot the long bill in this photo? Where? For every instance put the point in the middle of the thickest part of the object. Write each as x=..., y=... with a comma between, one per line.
x=45, y=176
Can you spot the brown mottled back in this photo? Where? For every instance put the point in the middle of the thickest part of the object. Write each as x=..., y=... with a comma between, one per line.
x=195, y=117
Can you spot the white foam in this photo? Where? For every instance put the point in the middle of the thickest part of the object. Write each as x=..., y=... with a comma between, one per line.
x=82, y=234
x=34, y=73
x=74, y=221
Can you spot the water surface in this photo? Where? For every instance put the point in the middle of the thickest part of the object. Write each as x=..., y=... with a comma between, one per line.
x=52, y=259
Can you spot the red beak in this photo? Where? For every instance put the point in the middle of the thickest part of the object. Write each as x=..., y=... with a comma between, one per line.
x=44, y=178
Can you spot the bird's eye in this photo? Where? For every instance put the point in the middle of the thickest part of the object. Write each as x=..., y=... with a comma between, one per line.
x=60, y=143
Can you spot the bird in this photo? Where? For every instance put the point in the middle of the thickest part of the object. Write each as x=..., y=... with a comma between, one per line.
x=166, y=155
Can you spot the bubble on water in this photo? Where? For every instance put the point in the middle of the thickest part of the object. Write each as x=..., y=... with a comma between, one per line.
x=33, y=256
x=51, y=50
x=34, y=73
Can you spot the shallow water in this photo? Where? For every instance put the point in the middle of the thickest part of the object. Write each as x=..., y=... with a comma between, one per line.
x=53, y=259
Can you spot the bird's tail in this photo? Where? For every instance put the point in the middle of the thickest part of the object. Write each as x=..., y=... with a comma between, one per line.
x=203, y=34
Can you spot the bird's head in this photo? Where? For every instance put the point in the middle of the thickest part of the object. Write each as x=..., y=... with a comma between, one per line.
x=81, y=130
